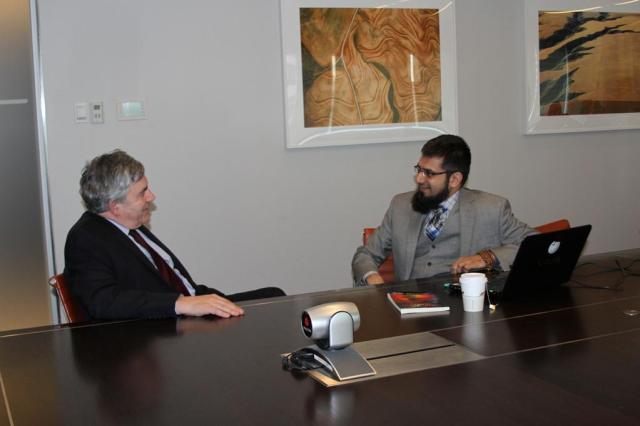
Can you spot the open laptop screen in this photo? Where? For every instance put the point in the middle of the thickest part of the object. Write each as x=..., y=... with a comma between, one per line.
x=544, y=261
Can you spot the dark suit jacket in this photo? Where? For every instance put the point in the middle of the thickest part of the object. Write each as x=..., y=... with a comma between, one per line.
x=112, y=278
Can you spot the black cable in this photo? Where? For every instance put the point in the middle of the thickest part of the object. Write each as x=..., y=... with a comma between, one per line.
x=628, y=267
x=625, y=271
x=300, y=360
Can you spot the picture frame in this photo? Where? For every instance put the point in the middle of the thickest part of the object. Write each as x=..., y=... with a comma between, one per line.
x=575, y=65
x=347, y=116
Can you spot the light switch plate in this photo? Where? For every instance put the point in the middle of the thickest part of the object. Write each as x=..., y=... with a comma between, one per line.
x=81, y=112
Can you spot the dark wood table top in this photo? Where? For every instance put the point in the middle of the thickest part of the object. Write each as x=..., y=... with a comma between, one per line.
x=570, y=356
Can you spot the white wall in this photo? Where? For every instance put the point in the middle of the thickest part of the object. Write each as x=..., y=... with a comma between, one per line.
x=239, y=209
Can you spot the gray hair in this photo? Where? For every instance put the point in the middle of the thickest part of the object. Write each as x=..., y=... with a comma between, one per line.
x=108, y=178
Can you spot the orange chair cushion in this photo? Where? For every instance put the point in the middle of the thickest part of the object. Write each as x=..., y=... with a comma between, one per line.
x=386, y=268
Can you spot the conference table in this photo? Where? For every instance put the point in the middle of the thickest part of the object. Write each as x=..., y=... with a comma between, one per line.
x=567, y=356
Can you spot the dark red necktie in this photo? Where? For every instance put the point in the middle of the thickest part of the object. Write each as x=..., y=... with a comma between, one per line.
x=165, y=270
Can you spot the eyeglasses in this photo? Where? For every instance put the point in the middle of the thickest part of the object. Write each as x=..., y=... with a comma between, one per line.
x=428, y=173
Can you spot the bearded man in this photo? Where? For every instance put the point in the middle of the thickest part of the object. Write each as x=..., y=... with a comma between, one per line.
x=441, y=226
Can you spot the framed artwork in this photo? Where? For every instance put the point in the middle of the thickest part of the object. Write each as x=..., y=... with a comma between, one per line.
x=360, y=72
x=582, y=65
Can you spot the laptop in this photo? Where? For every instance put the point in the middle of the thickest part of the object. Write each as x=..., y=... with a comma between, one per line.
x=544, y=261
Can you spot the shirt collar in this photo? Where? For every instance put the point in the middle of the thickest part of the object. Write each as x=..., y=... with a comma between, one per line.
x=124, y=229
x=450, y=202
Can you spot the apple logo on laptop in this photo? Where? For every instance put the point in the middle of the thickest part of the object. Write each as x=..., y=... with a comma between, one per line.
x=553, y=247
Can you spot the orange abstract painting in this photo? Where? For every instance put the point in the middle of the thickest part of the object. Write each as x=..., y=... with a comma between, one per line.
x=370, y=66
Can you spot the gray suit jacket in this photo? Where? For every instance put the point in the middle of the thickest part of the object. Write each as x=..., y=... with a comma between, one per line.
x=486, y=221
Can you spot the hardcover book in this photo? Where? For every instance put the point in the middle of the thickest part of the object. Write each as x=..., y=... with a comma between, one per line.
x=413, y=303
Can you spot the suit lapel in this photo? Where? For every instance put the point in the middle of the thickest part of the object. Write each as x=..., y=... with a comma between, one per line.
x=126, y=243
x=466, y=220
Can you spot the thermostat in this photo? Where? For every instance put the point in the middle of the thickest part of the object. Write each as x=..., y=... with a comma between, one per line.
x=131, y=110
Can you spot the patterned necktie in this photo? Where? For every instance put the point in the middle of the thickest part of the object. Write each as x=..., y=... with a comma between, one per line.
x=165, y=270
x=435, y=223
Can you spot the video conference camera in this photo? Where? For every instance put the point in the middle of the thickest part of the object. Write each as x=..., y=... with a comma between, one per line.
x=331, y=325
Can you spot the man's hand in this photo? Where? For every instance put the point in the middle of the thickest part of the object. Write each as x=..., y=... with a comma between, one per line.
x=465, y=263
x=374, y=279
x=213, y=304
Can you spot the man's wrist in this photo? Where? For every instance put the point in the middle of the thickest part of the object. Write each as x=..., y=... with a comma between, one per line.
x=178, y=304
x=367, y=275
x=373, y=279
x=489, y=258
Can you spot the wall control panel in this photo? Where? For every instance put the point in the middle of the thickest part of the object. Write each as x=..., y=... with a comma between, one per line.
x=81, y=112
x=131, y=110
x=93, y=112
x=97, y=112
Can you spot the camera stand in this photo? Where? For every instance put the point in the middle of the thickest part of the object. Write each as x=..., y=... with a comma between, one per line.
x=344, y=364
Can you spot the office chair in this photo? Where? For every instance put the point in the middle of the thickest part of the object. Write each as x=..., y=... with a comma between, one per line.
x=70, y=305
x=386, y=268
x=558, y=225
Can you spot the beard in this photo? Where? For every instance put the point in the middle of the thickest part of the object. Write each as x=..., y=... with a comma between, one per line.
x=424, y=204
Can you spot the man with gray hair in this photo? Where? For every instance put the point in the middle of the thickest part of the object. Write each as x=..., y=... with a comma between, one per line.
x=117, y=268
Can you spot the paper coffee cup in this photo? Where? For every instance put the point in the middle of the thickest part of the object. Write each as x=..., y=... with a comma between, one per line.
x=473, y=303
x=473, y=284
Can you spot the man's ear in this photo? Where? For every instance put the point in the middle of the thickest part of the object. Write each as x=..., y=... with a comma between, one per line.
x=113, y=208
x=455, y=181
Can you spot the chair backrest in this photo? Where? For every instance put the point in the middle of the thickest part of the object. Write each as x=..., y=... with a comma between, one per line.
x=71, y=308
x=558, y=225
x=386, y=268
